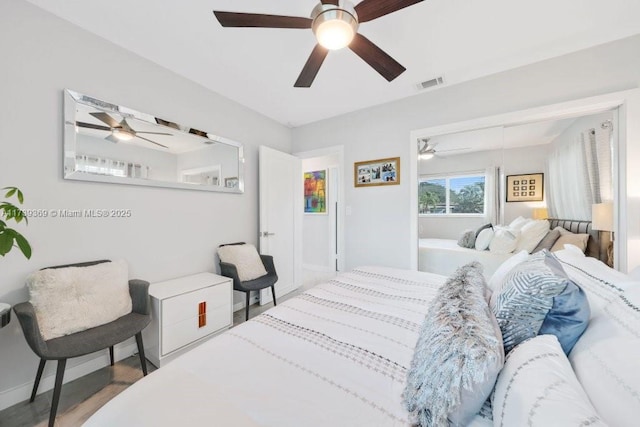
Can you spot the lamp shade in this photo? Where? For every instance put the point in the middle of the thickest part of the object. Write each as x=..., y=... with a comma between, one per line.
x=540, y=213
x=602, y=216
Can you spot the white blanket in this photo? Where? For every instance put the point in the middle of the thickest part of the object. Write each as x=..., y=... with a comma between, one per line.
x=336, y=355
x=444, y=256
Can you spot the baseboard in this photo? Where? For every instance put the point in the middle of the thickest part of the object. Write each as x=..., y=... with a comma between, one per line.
x=23, y=392
x=320, y=268
x=240, y=305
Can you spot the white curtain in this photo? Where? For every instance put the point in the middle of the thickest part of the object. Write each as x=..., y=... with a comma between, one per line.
x=492, y=210
x=579, y=174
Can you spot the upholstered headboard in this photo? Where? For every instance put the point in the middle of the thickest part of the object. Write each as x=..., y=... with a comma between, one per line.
x=583, y=227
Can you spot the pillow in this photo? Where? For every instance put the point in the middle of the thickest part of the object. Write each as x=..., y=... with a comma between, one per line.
x=72, y=299
x=605, y=360
x=539, y=298
x=497, y=279
x=484, y=239
x=468, y=239
x=531, y=234
x=579, y=240
x=537, y=387
x=518, y=223
x=246, y=259
x=458, y=354
x=547, y=241
x=483, y=227
x=504, y=240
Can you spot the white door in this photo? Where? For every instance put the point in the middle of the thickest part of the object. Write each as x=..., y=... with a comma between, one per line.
x=281, y=210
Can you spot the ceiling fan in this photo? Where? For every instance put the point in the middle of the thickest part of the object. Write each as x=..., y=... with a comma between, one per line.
x=335, y=25
x=427, y=151
x=120, y=131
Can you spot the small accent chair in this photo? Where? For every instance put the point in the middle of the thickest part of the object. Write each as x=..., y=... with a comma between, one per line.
x=269, y=280
x=87, y=341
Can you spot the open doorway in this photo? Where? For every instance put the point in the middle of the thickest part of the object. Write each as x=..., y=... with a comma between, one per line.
x=322, y=225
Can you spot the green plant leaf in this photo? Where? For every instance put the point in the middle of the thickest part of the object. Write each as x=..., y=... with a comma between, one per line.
x=11, y=192
x=24, y=246
x=6, y=242
x=20, y=197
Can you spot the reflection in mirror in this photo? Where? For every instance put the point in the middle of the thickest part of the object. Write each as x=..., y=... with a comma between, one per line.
x=105, y=142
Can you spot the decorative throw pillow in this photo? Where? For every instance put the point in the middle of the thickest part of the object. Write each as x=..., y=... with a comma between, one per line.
x=537, y=387
x=484, y=239
x=579, y=240
x=531, y=234
x=458, y=354
x=539, y=298
x=605, y=360
x=246, y=259
x=505, y=240
x=468, y=239
x=519, y=222
x=497, y=279
x=547, y=241
x=483, y=227
x=72, y=299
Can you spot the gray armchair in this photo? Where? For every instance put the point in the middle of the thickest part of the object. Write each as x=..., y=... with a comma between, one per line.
x=87, y=341
x=269, y=280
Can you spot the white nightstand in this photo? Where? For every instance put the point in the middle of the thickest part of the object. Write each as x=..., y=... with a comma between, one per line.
x=186, y=311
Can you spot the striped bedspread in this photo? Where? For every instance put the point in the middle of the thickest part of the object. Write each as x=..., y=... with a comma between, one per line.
x=336, y=355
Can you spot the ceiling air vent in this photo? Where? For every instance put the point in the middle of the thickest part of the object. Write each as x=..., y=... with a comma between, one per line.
x=438, y=81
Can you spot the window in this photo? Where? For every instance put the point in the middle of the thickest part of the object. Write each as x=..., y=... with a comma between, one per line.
x=456, y=194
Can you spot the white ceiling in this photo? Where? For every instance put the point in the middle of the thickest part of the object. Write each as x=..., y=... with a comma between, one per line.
x=458, y=39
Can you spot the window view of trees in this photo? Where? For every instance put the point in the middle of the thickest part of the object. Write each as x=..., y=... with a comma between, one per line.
x=451, y=195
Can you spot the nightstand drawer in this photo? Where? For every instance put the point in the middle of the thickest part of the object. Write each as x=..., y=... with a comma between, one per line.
x=187, y=306
x=187, y=331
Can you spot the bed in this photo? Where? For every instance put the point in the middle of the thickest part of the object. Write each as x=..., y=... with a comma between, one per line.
x=335, y=355
x=443, y=256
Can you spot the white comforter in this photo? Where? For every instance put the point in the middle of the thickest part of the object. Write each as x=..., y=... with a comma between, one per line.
x=336, y=355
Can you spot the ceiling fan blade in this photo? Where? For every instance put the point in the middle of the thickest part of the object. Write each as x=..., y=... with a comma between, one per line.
x=155, y=133
x=92, y=126
x=234, y=19
x=153, y=142
x=105, y=118
x=369, y=10
x=334, y=2
x=311, y=68
x=112, y=138
x=388, y=67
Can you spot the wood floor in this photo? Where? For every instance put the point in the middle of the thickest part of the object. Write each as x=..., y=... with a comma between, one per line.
x=84, y=396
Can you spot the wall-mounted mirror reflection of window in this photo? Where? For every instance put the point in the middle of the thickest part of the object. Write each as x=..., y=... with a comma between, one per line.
x=105, y=142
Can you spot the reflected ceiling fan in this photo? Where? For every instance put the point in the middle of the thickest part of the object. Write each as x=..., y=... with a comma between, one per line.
x=335, y=25
x=428, y=151
x=120, y=131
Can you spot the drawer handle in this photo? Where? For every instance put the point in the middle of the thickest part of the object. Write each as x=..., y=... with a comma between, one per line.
x=202, y=314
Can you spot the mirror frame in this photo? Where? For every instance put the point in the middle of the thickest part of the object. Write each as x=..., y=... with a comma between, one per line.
x=71, y=98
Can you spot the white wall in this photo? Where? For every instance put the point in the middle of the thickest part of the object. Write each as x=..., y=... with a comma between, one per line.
x=171, y=232
x=513, y=161
x=225, y=156
x=377, y=230
x=318, y=230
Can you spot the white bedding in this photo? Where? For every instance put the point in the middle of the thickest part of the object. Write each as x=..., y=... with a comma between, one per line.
x=336, y=355
x=443, y=256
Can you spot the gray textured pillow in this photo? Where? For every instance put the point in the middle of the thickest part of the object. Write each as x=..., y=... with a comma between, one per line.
x=468, y=239
x=458, y=354
x=547, y=241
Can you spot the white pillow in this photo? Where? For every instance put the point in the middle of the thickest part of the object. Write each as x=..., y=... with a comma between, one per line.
x=504, y=240
x=531, y=234
x=245, y=258
x=605, y=360
x=484, y=239
x=519, y=222
x=538, y=387
x=72, y=299
x=497, y=279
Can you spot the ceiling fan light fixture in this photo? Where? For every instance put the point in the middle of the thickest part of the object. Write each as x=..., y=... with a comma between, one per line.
x=334, y=26
x=122, y=135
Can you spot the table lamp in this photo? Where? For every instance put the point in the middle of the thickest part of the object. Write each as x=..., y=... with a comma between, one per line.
x=602, y=220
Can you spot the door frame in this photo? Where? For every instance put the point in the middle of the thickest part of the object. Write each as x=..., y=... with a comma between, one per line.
x=337, y=150
x=627, y=104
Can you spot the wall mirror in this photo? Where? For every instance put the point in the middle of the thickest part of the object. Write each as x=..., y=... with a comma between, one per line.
x=105, y=142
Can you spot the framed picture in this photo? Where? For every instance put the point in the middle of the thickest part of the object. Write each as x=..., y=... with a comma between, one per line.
x=231, y=182
x=315, y=192
x=525, y=188
x=377, y=172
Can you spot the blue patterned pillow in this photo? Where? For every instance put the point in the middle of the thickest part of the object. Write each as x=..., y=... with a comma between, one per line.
x=539, y=298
